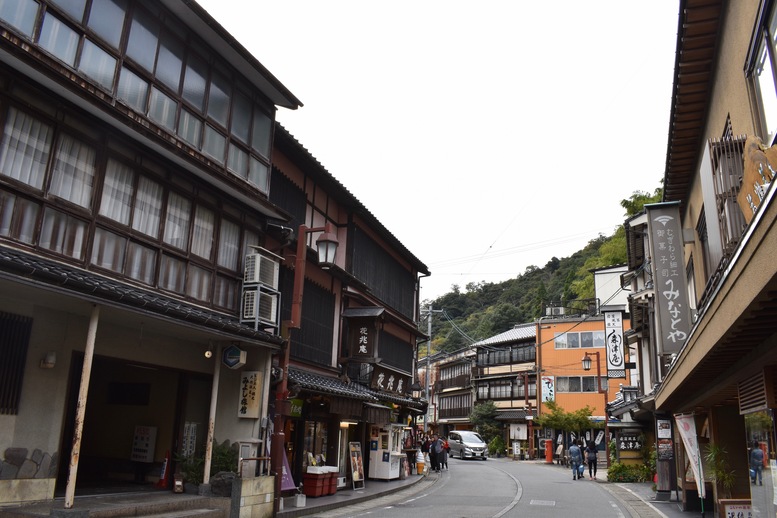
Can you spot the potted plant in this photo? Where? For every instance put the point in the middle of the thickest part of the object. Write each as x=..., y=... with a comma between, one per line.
x=722, y=474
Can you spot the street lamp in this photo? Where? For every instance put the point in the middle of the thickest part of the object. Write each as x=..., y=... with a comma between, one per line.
x=327, y=248
x=416, y=390
x=587, y=367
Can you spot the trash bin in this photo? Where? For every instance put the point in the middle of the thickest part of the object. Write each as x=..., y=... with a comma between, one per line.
x=403, y=468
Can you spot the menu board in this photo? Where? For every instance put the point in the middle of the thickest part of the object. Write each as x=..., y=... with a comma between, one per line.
x=357, y=464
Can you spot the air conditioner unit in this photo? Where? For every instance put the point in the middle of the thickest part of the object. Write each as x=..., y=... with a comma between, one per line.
x=261, y=269
x=554, y=311
x=261, y=306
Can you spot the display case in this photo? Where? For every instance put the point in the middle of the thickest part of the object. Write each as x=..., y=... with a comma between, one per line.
x=386, y=453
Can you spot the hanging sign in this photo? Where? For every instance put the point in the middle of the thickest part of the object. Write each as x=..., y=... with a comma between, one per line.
x=668, y=269
x=613, y=329
x=233, y=357
x=250, y=394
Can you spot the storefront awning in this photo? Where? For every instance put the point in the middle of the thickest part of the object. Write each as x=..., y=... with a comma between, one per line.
x=329, y=385
x=376, y=414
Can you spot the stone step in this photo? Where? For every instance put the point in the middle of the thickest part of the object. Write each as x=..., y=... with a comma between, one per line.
x=187, y=513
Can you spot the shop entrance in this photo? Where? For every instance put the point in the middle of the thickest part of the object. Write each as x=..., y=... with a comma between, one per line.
x=135, y=415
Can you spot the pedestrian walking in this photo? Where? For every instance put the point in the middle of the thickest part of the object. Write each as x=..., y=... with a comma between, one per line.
x=435, y=452
x=756, y=464
x=426, y=442
x=444, y=453
x=576, y=460
x=591, y=456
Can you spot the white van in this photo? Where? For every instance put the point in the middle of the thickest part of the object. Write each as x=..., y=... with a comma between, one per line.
x=465, y=444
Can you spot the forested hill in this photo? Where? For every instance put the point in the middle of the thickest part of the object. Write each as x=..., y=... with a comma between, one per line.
x=485, y=309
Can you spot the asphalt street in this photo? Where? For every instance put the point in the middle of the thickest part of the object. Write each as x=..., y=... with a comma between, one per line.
x=495, y=489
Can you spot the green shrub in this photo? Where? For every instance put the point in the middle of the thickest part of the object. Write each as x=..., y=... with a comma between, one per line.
x=224, y=457
x=619, y=472
x=497, y=445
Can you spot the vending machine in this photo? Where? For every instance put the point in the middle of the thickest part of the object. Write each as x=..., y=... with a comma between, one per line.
x=386, y=453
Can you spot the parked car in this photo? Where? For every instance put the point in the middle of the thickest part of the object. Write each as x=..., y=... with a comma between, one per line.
x=467, y=445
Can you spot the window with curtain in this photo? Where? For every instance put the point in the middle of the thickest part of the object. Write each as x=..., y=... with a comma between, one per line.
x=72, y=177
x=229, y=245
x=63, y=234
x=148, y=207
x=106, y=19
x=108, y=250
x=141, y=263
x=133, y=90
x=198, y=283
x=116, y=202
x=202, y=238
x=20, y=14
x=59, y=40
x=172, y=274
x=97, y=64
x=24, y=154
x=226, y=292
x=761, y=73
x=18, y=217
x=177, y=221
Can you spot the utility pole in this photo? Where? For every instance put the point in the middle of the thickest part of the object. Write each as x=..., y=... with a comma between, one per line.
x=428, y=312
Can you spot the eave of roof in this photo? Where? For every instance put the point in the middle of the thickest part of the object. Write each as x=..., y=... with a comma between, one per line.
x=229, y=49
x=290, y=146
x=698, y=31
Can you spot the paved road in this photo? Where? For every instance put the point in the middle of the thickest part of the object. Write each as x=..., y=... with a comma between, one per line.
x=493, y=489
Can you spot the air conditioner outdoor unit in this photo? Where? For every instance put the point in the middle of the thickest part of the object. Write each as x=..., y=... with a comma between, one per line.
x=554, y=311
x=261, y=269
x=265, y=309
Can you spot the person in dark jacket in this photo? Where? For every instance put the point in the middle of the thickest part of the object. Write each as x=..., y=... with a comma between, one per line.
x=756, y=464
x=591, y=457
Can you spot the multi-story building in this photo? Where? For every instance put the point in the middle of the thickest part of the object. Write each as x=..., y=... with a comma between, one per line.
x=566, y=338
x=144, y=230
x=453, y=394
x=506, y=374
x=352, y=359
x=702, y=263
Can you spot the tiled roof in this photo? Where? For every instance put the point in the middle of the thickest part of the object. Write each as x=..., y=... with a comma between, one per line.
x=338, y=387
x=71, y=280
x=330, y=385
x=519, y=333
x=511, y=415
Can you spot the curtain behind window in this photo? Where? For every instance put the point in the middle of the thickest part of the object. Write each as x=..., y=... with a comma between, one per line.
x=25, y=149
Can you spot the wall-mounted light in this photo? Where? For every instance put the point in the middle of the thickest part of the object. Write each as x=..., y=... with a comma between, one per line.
x=49, y=361
x=346, y=424
x=209, y=351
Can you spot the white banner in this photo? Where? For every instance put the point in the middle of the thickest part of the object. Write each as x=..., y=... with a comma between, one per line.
x=687, y=428
x=519, y=431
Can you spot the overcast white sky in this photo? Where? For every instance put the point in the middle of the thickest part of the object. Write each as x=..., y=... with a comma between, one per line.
x=487, y=136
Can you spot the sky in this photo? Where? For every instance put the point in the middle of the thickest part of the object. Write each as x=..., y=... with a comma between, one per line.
x=487, y=136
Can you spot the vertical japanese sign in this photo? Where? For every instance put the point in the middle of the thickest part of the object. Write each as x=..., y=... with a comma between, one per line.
x=668, y=269
x=548, y=388
x=249, y=394
x=613, y=331
x=362, y=335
